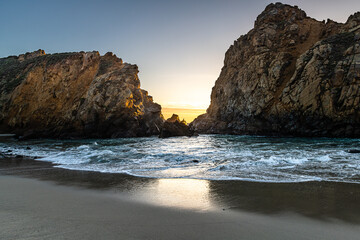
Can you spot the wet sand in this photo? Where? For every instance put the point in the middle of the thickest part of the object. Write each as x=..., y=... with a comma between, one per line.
x=39, y=201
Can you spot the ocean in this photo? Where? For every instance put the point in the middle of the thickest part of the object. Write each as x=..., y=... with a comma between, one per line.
x=214, y=157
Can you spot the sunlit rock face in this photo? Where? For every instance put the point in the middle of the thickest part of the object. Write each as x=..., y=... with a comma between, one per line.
x=74, y=95
x=290, y=75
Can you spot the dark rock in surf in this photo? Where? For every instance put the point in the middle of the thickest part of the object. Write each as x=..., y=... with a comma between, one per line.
x=354, y=151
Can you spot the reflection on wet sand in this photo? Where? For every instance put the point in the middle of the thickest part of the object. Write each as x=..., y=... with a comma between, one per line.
x=320, y=200
x=180, y=193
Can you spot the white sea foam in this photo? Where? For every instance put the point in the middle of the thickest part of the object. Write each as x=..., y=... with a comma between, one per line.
x=216, y=157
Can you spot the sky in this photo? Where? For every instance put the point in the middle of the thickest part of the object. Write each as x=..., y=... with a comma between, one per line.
x=179, y=45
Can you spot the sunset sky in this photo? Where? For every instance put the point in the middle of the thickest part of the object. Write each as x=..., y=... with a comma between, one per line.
x=179, y=46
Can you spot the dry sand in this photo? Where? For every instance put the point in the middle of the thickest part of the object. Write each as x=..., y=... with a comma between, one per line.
x=38, y=201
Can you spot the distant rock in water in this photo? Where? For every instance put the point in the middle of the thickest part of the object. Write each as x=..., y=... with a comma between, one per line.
x=290, y=75
x=74, y=95
x=173, y=127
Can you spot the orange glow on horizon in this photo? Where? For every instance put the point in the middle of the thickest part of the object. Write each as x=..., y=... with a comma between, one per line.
x=188, y=114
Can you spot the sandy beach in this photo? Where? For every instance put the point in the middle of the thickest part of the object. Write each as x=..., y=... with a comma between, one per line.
x=38, y=201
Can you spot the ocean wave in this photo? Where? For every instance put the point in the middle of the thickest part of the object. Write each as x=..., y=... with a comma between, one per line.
x=215, y=157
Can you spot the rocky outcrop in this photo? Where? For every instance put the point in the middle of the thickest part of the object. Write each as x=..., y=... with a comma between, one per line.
x=290, y=75
x=74, y=95
x=173, y=127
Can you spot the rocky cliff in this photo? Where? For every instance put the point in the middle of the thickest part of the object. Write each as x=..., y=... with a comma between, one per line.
x=290, y=75
x=74, y=95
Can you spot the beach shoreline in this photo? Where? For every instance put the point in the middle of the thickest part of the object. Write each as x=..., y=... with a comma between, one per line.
x=40, y=201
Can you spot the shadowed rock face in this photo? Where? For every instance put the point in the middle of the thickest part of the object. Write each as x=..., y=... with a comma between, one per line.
x=290, y=75
x=74, y=95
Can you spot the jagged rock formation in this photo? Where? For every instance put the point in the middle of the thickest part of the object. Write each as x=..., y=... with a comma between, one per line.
x=74, y=95
x=173, y=127
x=290, y=75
